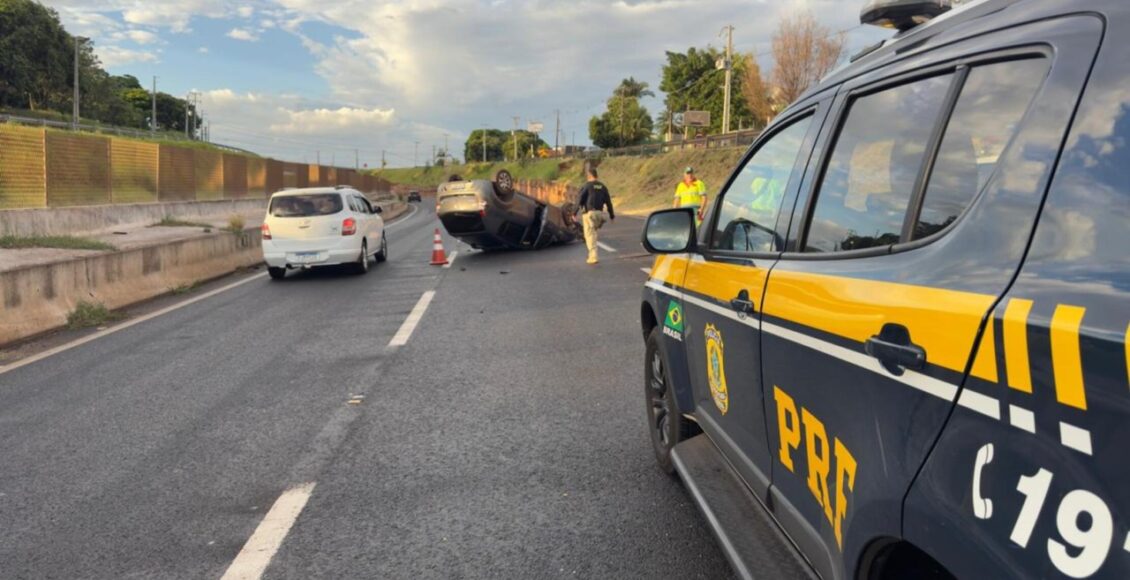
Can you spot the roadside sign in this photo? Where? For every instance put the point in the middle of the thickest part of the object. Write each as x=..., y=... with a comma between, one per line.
x=694, y=118
x=535, y=127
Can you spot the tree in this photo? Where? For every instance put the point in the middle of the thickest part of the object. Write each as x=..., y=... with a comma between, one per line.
x=36, y=57
x=624, y=122
x=693, y=82
x=804, y=51
x=495, y=141
x=758, y=94
x=527, y=141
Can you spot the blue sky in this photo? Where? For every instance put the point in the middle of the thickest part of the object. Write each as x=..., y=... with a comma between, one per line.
x=296, y=79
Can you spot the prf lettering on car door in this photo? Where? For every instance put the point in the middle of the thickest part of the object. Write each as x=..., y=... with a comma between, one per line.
x=791, y=424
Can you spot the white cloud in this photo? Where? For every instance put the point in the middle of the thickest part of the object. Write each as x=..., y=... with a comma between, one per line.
x=243, y=34
x=202, y=50
x=245, y=11
x=112, y=56
x=330, y=122
x=142, y=36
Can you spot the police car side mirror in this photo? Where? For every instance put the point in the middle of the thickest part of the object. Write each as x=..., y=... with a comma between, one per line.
x=670, y=231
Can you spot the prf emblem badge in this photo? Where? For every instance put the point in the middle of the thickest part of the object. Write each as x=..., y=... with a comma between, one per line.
x=673, y=324
x=716, y=368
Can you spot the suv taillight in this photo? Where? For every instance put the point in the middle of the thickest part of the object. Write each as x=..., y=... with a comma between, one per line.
x=266, y=231
x=349, y=227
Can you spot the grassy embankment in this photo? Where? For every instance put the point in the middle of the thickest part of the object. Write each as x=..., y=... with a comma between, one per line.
x=638, y=184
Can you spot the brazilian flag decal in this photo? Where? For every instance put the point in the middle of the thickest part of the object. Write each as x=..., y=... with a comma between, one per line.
x=674, y=317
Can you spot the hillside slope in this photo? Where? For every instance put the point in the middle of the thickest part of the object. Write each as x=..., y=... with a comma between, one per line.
x=638, y=184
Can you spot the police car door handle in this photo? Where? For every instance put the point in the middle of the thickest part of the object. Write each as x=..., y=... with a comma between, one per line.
x=742, y=304
x=894, y=349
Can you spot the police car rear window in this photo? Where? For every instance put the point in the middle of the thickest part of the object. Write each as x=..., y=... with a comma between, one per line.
x=870, y=178
x=986, y=117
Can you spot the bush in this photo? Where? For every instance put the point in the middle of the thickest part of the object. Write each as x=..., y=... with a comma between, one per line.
x=236, y=224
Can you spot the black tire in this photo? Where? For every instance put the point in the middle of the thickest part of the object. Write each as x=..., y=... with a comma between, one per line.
x=666, y=423
x=382, y=255
x=362, y=264
x=276, y=273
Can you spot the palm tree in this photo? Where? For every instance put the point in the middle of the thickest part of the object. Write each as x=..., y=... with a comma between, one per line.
x=630, y=88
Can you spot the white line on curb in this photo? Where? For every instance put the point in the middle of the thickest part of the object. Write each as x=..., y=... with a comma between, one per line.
x=256, y=554
x=645, y=270
x=413, y=319
x=606, y=247
x=123, y=326
x=451, y=259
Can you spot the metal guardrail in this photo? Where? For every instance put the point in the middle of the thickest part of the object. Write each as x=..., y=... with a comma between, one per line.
x=735, y=139
x=111, y=129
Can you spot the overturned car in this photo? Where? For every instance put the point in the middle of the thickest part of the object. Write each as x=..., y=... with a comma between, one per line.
x=493, y=216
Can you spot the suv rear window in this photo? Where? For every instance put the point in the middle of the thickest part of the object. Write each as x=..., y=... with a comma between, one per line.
x=313, y=204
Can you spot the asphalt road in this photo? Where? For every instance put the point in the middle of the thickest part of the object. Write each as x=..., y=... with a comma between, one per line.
x=505, y=439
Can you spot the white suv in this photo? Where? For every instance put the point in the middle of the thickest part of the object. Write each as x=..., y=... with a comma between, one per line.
x=322, y=226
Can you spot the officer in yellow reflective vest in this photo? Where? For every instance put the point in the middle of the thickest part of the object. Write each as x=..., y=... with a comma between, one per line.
x=691, y=192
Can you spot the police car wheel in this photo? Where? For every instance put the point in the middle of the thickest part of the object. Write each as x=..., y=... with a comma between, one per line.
x=666, y=423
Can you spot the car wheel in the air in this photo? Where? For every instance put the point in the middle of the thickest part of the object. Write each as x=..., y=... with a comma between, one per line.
x=382, y=255
x=666, y=423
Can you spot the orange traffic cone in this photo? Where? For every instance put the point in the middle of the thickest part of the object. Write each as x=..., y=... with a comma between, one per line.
x=439, y=257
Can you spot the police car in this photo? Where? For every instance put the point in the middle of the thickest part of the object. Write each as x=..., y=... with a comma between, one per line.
x=897, y=346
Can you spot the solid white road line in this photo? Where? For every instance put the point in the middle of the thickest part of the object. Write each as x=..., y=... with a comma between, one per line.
x=606, y=247
x=123, y=326
x=400, y=219
x=451, y=259
x=646, y=271
x=256, y=554
x=413, y=319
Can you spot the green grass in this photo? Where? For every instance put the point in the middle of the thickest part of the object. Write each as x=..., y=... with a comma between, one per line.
x=638, y=184
x=172, y=222
x=59, y=242
x=90, y=314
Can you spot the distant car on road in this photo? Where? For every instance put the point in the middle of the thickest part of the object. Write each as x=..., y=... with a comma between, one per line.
x=413, y=195
x=322, y=226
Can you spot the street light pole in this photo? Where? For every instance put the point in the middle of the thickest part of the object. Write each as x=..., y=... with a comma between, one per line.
x=153, y=114
x=75, y=111
x=729, y=66
x=483, y=136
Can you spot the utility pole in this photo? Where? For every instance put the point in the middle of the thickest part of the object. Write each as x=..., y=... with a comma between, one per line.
x=153, y=119
x=557, y=131
x=382, y=158
x=75, y=112
x=514, y=134
x=187, y=96
x=356, y=161
x=483, y=135
x=729, y=66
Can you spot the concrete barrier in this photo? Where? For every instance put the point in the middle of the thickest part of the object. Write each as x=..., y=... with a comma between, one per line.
x=38, y=298
x=100, y=219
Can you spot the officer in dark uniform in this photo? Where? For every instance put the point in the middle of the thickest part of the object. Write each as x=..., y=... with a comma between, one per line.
x=594, y=198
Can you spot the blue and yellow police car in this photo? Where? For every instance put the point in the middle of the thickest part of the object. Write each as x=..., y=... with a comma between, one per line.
x=897, y=345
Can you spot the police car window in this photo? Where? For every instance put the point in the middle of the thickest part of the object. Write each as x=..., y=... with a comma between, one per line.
x=867, y=186
x=984, y=120
x=747, y=216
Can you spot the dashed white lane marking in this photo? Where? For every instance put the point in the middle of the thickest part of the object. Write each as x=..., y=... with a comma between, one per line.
x=1074, y=437
x=1022, y=418
x=123, y=326
x=606, y=247
x=646, y=271
x=413, y=319
x=256, y=554
x=451, y=259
